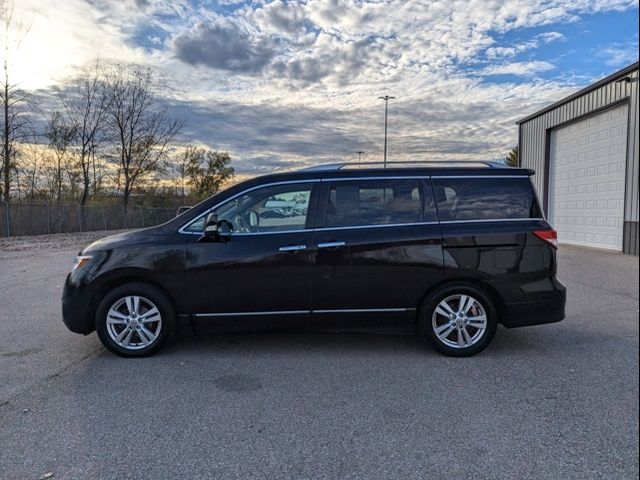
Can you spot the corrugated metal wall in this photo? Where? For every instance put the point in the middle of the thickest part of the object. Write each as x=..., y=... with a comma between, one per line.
x=533, y=140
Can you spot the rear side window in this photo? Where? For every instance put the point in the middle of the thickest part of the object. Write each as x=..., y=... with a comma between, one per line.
x=376, y=202
x=485, y=198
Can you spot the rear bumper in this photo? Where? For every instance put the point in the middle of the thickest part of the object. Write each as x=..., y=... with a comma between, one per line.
x=549, y=309
x=76, y=308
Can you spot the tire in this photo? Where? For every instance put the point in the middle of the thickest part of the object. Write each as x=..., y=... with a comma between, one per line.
x=139, y=333
x=454, y=334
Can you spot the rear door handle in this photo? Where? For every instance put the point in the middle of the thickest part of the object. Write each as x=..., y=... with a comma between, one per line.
x=331, y=244
x=292, y=248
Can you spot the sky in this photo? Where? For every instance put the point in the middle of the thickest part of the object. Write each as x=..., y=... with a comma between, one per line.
x=286, y=84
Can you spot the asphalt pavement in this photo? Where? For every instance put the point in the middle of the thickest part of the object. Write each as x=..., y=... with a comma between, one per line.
x=558, y=401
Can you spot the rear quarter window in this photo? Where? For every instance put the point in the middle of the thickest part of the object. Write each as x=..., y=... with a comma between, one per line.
x=485, y=198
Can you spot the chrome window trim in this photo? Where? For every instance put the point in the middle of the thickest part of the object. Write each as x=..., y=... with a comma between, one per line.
x=324, y=229
x=265, y=185
x=479, y=176
x=484, y=220
x=393, y=177
x=386, y=225
x=248, y=234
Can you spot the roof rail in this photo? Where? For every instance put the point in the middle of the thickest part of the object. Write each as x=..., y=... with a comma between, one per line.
x=331, y=167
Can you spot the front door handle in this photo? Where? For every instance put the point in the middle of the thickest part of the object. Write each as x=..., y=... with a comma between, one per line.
x=292, y=248
x=331, y=244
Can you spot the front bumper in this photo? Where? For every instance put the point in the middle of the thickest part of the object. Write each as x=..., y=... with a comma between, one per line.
x=77, y=311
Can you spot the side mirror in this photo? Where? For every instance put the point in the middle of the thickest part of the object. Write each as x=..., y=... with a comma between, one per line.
x=216, y=230
x=211, y=225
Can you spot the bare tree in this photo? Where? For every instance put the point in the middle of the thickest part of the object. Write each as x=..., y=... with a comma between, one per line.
x=61, y=137
x=141, y=128
x=31, y=167
x=181, y=164
x=85, y=106
x=12, y=102
x=98, y=172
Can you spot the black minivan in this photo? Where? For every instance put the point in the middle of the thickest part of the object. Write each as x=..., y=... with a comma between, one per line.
x=447, y=249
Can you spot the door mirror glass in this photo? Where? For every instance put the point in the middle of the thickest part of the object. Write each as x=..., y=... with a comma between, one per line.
x=211, y=226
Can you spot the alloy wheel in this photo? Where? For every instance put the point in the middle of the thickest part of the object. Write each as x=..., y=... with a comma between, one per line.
x=133, y=322
x=459, y=321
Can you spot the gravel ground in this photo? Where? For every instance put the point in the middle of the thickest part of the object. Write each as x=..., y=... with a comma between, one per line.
x=57, y=241
x=555, y=401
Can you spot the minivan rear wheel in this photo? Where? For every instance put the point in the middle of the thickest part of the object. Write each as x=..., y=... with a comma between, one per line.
x=458, y=320
x=135, y=320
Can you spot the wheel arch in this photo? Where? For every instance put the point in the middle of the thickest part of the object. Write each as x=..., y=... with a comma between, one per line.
x=486, y=288
x=116, y=280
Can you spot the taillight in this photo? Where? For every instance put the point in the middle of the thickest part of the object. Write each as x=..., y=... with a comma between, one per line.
x=549, y=236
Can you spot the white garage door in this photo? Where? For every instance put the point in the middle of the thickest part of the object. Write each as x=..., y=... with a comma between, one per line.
x=586, y=180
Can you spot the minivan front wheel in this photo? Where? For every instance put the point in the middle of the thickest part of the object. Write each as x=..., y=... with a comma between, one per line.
x=134, y=320
x=458, y=320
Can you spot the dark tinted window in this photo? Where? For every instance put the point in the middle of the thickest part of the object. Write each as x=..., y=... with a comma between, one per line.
x=485, y=198
x=376, y=202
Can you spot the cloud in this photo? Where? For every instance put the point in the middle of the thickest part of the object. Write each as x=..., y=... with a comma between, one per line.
x=518, y=48
x=549, y=37
x=618, y=54
x=224, y=45
x=342, y=61
x=287, y=83
x=459, y=119
x=279, y=17
x=525, y=69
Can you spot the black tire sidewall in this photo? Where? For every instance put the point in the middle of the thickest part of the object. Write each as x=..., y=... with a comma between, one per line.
x=157, y=297
x=431, y=302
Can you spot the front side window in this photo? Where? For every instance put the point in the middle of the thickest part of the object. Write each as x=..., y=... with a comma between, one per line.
x=374, y=202
x=485, y=198
x=277, y=208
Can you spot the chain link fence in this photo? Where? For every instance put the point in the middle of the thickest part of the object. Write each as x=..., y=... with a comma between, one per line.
x=48, y=218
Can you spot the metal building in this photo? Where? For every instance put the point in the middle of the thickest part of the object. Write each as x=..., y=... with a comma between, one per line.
x=584, y=150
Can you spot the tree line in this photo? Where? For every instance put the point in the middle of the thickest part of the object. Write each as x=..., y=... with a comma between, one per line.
x=105, y=137
x=108, y=137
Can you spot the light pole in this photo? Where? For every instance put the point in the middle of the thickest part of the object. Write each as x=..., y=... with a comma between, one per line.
x=360, y=152
x=386, y=99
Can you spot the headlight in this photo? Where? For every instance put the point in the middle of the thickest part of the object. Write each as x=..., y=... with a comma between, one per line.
x=81, y=260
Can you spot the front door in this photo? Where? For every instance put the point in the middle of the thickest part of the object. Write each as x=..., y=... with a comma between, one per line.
x=379, y=249
x=263, y=267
